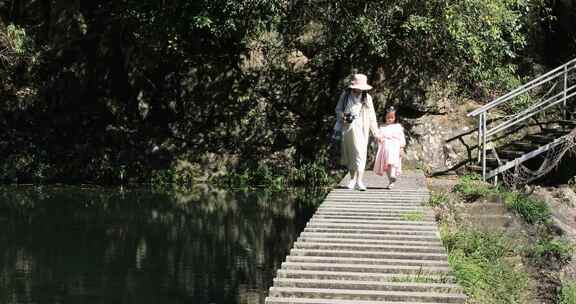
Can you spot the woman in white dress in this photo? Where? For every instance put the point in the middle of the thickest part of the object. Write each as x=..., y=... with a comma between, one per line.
x=355, y=112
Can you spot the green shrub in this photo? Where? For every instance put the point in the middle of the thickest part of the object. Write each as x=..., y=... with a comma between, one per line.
x=481, y=264
x=262, y=175
x=568, y=293
x=313, y=173
x=437, y=199
x=181, y=174
x=552, y=250
x=15, y=44
x=533, y=211
x=472, y=187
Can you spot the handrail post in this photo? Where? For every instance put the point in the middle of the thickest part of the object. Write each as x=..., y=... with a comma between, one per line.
x=565, y=92
x=479, y=139
x=484, y=146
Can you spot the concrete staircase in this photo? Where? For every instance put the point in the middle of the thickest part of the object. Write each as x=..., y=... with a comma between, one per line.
x=368, y=247
x=516, y=149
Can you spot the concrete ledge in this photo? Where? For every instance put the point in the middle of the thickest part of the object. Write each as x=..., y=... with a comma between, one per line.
x=359, y=276
x=365, y=261
x=370, y=254
x=367, y=285
x=400, y=242
x=371, y=231
x=277, y=300
x=345, y=294
x=379, y=236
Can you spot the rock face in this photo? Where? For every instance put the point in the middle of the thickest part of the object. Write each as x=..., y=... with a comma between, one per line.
x=438, y=143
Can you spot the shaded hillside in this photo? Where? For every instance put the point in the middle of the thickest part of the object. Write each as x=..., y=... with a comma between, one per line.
x=102, y=90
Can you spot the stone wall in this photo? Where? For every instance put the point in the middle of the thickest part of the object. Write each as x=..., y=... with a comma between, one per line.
x=443, y=142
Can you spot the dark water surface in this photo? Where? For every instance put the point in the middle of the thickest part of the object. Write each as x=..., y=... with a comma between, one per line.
x=92, y=245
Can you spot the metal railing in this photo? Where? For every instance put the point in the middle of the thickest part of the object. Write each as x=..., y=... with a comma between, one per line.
x=559, y=75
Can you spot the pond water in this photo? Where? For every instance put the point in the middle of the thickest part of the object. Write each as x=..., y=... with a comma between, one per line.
x=92, y=245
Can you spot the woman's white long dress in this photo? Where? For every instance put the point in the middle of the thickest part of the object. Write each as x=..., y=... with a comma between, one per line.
x=355, y=135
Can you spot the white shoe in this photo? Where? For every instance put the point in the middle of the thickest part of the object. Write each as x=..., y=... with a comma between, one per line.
x=351, y=184
x=361, y=187
x=390, y=186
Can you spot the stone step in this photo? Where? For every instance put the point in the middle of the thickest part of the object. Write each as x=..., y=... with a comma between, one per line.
x=556, y=131
x=367, y=285
x=382, y=254
x=412, y=226
x=397, y=208
x=376, y=246
x=380, y=193
x=352, y=241
x=278, y=300
x=540, y=138
x=376, y=191
x=371, y=205
x=366, y=261
x=353, y=231
x=370, y=247
x=382, y=190
x=377, y=202
x=367, y=213
x=376, y=199
x=369, y=216
x=567, y=123
x=375, y=217
x=374, y=211
x=380, y=202
x=377, y=196
x=369, y=237
x=401, y=269
x=359, y=276
x=373, y=295
x=385, y=199
x=398, y=221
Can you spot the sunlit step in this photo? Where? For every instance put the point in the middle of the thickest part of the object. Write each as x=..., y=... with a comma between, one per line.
x=367, y=285
x=398, y=221
x=354, y=231
x=367, y=268
x=370, y=237
x=353, y=241
x=359, y=276
x=382, y=254
x=370, y=247
x=366, y=261
x=373, y=295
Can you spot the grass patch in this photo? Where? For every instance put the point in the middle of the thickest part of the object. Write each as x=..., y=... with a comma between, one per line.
x=552, y=250
x=533, y=211
x=420, y=278
x=413, y=216
x=568, y=293
x=471, y=187
x=437, y=199
x=483, y=264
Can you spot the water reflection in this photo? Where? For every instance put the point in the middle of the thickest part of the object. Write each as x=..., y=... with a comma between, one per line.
x=86, y=245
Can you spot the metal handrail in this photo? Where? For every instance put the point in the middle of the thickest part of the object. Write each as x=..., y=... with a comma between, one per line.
x=523, y=88
x=484, y=132
x=529, y=112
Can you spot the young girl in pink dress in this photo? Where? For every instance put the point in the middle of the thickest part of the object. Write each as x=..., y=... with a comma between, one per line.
x=390, y=149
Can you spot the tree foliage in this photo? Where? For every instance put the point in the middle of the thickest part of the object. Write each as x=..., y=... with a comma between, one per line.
x=95, y=88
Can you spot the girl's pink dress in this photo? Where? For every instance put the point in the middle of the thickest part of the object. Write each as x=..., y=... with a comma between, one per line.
x=389, y=150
